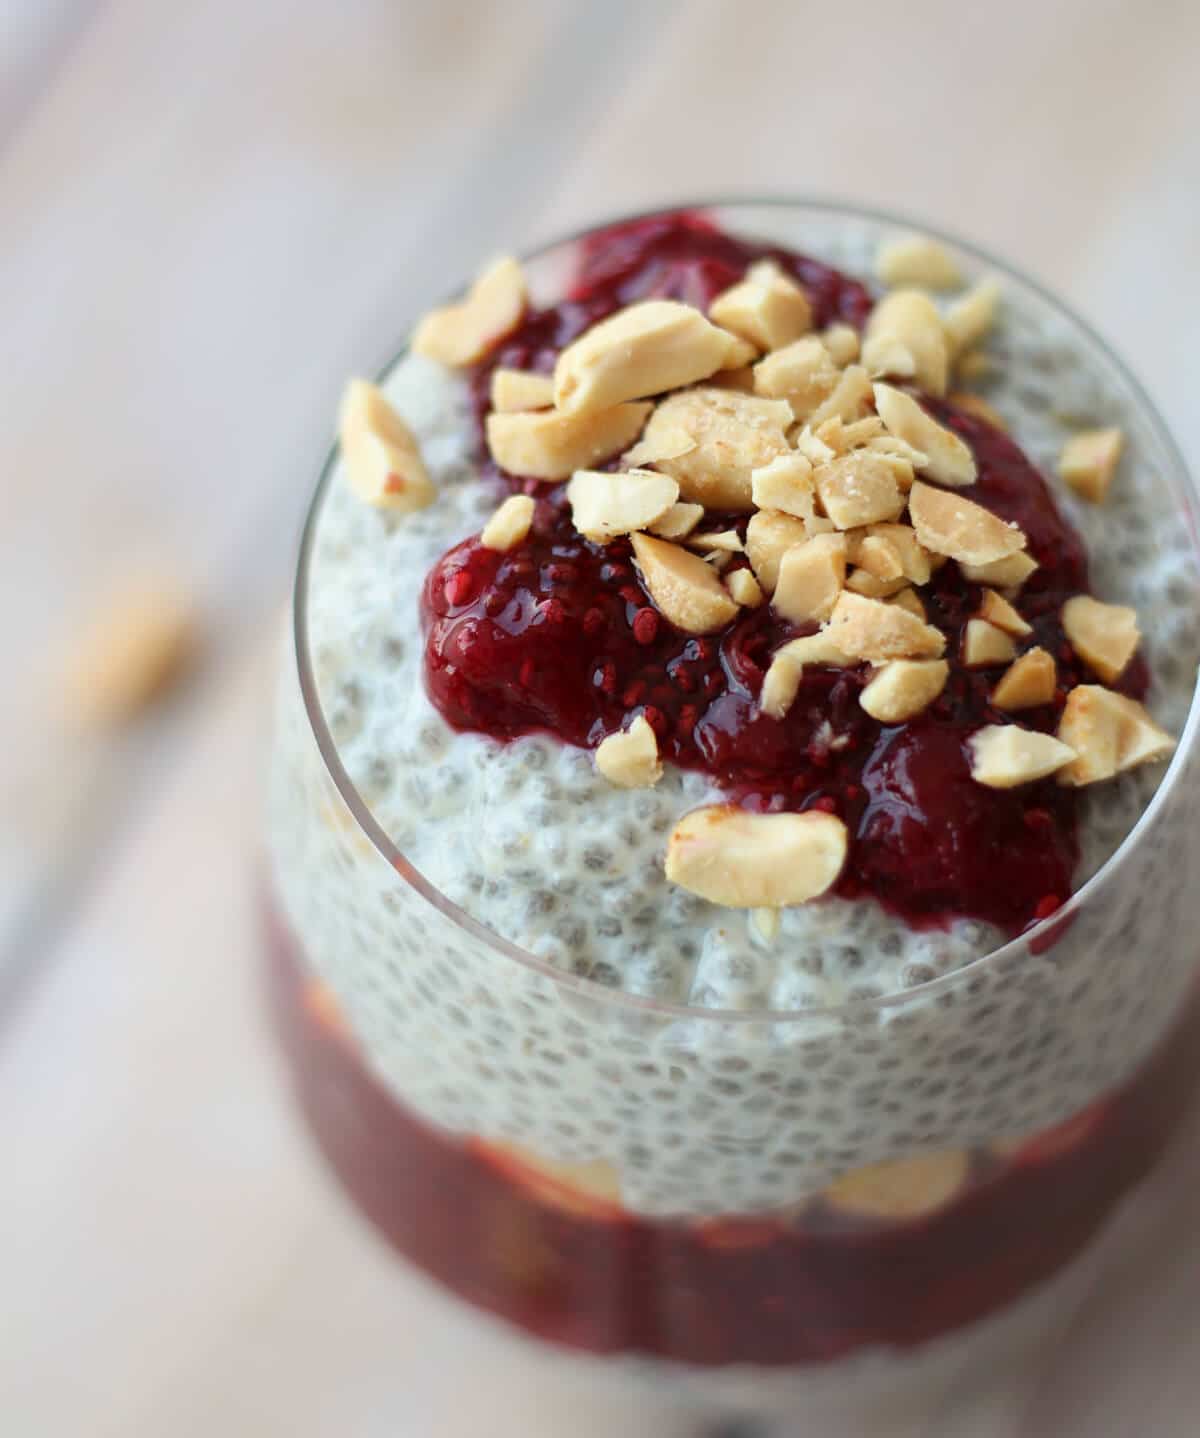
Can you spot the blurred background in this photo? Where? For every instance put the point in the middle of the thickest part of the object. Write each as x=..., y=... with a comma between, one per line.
x=212, y=213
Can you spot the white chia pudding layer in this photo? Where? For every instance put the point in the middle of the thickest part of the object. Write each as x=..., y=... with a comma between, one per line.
x=533, y=844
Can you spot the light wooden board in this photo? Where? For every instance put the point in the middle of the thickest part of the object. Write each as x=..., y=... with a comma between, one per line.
x=212, y=214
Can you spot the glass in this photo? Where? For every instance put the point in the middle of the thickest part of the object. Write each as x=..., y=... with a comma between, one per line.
x=834, y=1206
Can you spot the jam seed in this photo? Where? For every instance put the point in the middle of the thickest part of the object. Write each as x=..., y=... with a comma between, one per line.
x=594, y=622
x=645, y=626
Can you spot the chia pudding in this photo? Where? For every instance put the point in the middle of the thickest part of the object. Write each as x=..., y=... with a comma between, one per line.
x=703, y=821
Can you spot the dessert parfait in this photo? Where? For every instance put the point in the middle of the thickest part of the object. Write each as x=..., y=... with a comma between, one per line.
x=732, y=802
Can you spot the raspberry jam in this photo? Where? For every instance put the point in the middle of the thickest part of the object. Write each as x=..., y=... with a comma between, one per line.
x=808, y=1287
x=559, y=636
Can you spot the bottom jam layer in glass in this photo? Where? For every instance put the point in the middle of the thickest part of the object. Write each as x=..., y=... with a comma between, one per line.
x=572, y=1267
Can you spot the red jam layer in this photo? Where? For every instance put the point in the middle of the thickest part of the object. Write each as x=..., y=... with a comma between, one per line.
x=775, y=1291
x=559, y=637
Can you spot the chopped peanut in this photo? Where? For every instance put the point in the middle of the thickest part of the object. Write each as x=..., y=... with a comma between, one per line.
x=510, y=524
x=869, y=629
x=769, y=535
x=887, y=355
x=1109, y=734
x=781, y=683
x=968, y=320
x=917, y=260
x=785, y=484
x=1009, y=573
x=604, y=505
x=842, y=342
x=782, y=680
x=998, y=611
x=902, y=471
x=862, y=581
x=1089, y=461
x=816, y=648
x=743, y=860
x=914, y=560
x=858, y=432
x=683, y=587
x=831, y=432
x=643, y=349
x=858, y=488
x=630, y=759
x=733, y=434
x=815, y=450
x=1104, y=636
x=879, y=556
x=1029, y=681
x=1142, y=740
x=957, y=527
x=133, y=650
x=902, y=1189
x=766, y=924
x=741, y=355
x=904, y=337
x=985, y=645
x=548, y=445
x=518, y=389
x=744, y=589
x=810, y=579
x=664, y=442
x=380, y=454
x=842, y=437
x=903, y=688
x=909, y=599
x=947, y=458
x=767, y=308
x=802, y=373
x=726, y=539
x=1092, y=725
x=1004, y=756
x=849, y=400
x=897, y=448
x=462, y=333
x=678, y=521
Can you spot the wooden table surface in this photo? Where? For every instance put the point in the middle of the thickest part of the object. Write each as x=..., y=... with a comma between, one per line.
x=212, y=214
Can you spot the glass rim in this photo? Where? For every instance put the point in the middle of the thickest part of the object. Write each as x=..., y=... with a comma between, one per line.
x=1177, y=477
